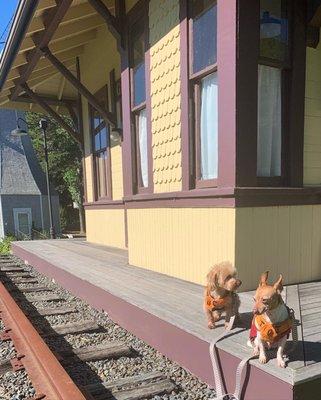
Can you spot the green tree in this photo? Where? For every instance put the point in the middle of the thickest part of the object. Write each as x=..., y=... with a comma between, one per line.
x=64, y=157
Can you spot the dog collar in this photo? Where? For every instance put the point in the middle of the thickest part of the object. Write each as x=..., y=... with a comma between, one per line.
x=213, y=304
x=272, y=332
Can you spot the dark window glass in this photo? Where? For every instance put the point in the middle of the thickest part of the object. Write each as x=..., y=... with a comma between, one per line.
x=204, y=34
x=139, y=84
x=97, y=142
x=138, y=64
x=273, y=29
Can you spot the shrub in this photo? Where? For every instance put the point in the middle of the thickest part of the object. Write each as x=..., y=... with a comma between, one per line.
x=5, y=244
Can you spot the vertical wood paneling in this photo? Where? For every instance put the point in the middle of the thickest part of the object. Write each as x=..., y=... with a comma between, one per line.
x=181, y=242
x=286, y=239
x=106, y=227
x=117, y=172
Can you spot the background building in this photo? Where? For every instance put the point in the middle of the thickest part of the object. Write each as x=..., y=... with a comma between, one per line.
x=23, y=191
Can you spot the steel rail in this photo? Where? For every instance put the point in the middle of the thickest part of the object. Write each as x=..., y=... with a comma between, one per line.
x=48, y=377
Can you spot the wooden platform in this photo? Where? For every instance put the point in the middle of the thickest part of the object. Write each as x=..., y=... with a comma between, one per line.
x=167, y=313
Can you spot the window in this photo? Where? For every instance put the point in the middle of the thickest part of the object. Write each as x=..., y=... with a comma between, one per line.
x=204, y=84
x=101, y=149
x=138, y=47
x=274, y=65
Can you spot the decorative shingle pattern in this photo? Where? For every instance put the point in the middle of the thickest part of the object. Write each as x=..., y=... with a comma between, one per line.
x=164, y=37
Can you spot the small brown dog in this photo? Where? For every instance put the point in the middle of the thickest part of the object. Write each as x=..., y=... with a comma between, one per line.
x=272, y=321
x=220, y=293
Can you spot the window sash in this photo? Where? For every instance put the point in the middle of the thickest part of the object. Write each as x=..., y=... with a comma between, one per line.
x=196, y=95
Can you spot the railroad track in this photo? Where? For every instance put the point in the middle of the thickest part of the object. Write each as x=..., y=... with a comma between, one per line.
x=37, y=320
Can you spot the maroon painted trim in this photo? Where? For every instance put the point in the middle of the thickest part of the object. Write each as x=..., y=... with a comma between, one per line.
x=226, y=58
x=182, y=347
x=98, y=205
x=184, y=73
x=217, y=197
x=127, y=154
x=296, y=96
x=149, y=119
x=247, y=81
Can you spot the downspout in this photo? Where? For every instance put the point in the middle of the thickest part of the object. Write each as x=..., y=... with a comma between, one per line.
x=22, y=19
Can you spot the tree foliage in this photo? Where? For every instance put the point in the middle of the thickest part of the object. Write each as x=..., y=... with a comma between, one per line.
x=64, y=157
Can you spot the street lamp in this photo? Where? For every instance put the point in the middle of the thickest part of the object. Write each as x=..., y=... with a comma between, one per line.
x=43, y=124
x=19, y=132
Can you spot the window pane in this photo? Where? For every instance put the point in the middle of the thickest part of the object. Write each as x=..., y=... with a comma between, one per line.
x=101, y=174
x=103, y=138
x=97, y=121
x=273, y=29
x=23, y=223
x=138, y=62
x=209, y=127
x=139, y=84
x=97, y=141
x=204, y=35
x=142, y=142
x=269, y=122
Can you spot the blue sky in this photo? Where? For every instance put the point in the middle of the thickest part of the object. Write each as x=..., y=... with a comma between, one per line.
x=7, y=9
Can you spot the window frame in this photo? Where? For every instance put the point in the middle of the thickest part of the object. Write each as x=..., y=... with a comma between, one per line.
x=286, y=68
x=138, y=188
x=195, y=82
x=102, y=96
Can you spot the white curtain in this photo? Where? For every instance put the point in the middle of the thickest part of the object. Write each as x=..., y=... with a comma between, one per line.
x=269, y=122
x=209, y=127
x=142, y=135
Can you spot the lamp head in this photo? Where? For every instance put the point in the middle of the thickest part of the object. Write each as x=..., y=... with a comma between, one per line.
x=43, y=123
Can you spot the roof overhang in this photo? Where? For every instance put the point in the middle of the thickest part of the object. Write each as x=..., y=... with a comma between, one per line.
x=65, y=27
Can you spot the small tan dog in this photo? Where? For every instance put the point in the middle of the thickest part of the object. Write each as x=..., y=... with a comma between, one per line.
x=272, y=321
x=219, y=295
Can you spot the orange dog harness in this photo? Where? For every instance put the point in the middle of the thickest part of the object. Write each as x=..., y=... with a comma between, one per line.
x=212, y=304
x=271, y=332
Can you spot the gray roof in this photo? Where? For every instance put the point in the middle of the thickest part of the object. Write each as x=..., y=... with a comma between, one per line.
x=20, y=171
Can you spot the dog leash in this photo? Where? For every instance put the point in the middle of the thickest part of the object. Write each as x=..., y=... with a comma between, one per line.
x=219, y=387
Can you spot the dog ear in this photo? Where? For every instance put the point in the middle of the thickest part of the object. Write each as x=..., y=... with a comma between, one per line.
x=212, y=278
x=264, y=278
x=278, y=286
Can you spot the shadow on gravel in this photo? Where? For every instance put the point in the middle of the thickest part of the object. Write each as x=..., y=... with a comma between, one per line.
x=84, y=373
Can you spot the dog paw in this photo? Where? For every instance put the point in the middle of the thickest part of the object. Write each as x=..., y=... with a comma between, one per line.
x=281, y=363
x=211, y=325
x=262, y=359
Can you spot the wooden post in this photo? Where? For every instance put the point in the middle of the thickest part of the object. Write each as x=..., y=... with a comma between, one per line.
x=109, y=117
x=111, y=21
x=37, y=99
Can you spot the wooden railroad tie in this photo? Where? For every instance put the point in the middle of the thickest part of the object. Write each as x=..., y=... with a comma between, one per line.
x=53, y=311
x=147, y=385
x=46, y=297
x=72, y=328
x=95, y=353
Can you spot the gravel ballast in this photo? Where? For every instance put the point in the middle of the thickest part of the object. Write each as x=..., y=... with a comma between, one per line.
x=143, y=360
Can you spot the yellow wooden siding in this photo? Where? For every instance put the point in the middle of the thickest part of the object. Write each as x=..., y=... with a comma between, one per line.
x=181, y=242
x=117, y=172
x=106, y=227
x=285, y=239
x=312, y=129
x=98, y=59
x=164, y=35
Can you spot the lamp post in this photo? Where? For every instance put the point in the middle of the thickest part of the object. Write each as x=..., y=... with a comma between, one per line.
x=43, y=124
x=19, y=132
